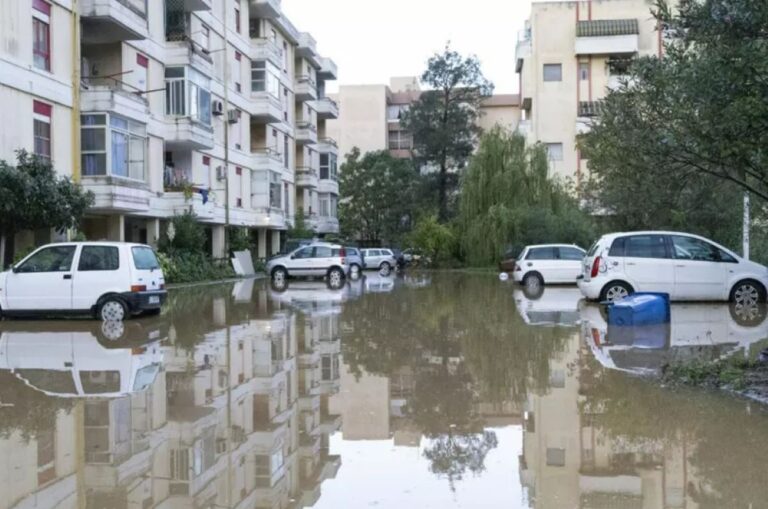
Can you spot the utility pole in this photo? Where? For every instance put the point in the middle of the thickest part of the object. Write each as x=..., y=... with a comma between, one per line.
x=226, y=131
x=745, y=228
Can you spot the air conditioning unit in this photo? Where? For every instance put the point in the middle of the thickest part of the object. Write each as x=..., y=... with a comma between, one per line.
x=217, y=108
x=233, y=116
x=221, y=174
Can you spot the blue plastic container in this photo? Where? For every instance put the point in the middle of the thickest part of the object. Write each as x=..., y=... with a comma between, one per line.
x=644, y=337
x=640, y=309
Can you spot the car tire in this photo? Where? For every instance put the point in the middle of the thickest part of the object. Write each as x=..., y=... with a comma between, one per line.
x=747, y=292
x=355, y=270
x=385, y=267
x=279, y=274
x=112, y=308
x=335, y=278
x=748, y=315
x=533, y=279
x=615, y=290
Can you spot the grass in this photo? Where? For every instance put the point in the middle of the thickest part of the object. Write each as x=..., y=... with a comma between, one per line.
x=732, y=373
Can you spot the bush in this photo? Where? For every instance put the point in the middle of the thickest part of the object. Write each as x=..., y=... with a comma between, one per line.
x=239, y=239
x=186, y=267
x=437, y=241
x=184, y=235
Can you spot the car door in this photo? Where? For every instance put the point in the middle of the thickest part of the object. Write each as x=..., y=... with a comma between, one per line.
x=372, y=258
x=544, y=261
x=700, y=272
x=648, y=264
x=43, y=281
x=97, y=273
x=321, y=260
x=301, y=262
x=569, y=263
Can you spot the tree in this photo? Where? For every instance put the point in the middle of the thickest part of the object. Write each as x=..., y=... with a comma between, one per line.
x=508, y=199
x=300, y=229
x=33, y=196
x=702, y=108
x=443, y=120
x=378, y=195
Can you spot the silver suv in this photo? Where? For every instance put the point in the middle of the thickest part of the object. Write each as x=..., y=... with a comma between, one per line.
x=379, y=259
x=319, y=259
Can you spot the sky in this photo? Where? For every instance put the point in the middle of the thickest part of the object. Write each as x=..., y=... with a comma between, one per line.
x=372, y=40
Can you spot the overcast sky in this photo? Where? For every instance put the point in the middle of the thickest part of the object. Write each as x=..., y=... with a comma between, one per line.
x=371, y=40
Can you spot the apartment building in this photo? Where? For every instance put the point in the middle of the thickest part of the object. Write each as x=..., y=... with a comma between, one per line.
x=570, y=54
x=217, y=107
x=370, y=116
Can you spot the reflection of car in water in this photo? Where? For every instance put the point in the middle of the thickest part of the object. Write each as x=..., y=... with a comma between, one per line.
x=312, y=297
x=539, y=305
x=695, y=331
x=378, y=283
x=71, y=362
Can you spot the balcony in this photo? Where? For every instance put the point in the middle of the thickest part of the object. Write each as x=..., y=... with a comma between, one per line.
x=326, y=108
x=328, y=186
x=306, y=133
x=523, y=49
x=264, y=49
x=306, y=177
x=186, y=133
x=587, y=111
x=267, y=9
x=117, y=194
x=175, y=203
x=307, y=48
x=112, y=98
x=106, y=21
x=327, y=146
x=182, y=51
x=607, y=37
x=305, y=89
x=196, y=5
x=267, y=159
x=265, y=108
x=328, y=69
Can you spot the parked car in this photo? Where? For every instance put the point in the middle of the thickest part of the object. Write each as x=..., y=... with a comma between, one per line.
x=546, y=263
x=111, y=280
x=356, y=261
x=557, y=306
x=686, y=266
x=379, y=259
x=319, y=259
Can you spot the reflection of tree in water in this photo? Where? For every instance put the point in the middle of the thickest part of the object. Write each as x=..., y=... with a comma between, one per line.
x=26, y=410
x=453, y=455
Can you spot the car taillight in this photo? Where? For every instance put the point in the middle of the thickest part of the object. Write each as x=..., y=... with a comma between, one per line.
x=596, y=336
x=138, y=350
x=518, y=268
x=595, y=267
x=138, y=288
x=342, y=252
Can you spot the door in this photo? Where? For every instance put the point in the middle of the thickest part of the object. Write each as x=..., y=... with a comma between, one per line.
x=144, y=268
x=701, y=272
x=301, y=262
x=43, y=281
x=97, y=273
x=569, y=266
x=544, y=261
x=321, y=260
x=647, y=263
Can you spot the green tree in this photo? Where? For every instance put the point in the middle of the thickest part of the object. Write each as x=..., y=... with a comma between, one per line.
x=378, y=195
x=436, y=240
x=33, y=196
x=300, y=229
x=443, y=120
x=508, y=199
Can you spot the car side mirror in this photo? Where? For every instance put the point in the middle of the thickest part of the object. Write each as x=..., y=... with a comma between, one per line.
x=293, y=257
x=14, y=269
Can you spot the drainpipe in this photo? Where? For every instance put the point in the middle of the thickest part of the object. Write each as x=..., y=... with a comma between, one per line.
x=75, y=119
x=226, y=133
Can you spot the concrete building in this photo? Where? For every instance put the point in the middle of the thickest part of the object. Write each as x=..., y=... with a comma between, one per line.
x=370, y=116
x=159, y=107
x=568, y=56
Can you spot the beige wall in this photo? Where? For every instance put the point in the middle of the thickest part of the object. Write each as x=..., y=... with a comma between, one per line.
x=362, y=122
x=507, y=116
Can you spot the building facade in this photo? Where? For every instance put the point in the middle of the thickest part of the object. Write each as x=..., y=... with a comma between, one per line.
x=217, y=107
x=568, y=57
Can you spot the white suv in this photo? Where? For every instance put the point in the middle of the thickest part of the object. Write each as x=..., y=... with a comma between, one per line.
x=379, y=259
x=687, y=267
x=548, y=263
x=318, y=259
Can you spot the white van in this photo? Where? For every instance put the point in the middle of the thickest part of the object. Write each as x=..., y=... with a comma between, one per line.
x=111, y=280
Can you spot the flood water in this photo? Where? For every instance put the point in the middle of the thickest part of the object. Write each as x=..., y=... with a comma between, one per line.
x=431, y=390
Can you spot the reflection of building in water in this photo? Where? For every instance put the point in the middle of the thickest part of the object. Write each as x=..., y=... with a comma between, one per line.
x=568, y=461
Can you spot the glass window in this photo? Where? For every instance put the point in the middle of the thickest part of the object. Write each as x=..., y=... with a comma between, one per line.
x=617, y=248
x=303, y=253
x=41, y=44
x=645, y=246
x=49, y=259
x=323, y=252
x=555, y=151
x=144, y=258
x=126, y=154
x=264, y=78
x=42, y=128
x=400, y=140
x=571, y=253
x=99, y=258
x=146, y=377
x=100, y=382
x=542, y=253
x=553, y=72
x=555, y=457
x=325, y=169
x=689, y=248
x=583, y=71
x=48, y=380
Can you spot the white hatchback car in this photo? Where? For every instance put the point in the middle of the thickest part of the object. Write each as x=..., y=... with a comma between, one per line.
x=687, y=267
x=111, y=280
x=548, y=263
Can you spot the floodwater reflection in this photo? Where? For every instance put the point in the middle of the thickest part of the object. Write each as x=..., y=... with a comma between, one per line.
x=423, y=389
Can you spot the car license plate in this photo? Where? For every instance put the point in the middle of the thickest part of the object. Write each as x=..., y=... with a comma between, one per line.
x=155, y=299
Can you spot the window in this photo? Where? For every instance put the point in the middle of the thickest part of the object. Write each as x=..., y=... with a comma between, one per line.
x=400, y=140
x=689, y=248
x=274, y=190
x=115, y=143
x=273, y=35
x=583, y=71
x=42, y=129
x=205, y=38
x=99, y=258
x=237, y=19
x=49, y=259
x=395, y=112
x=329, y=367
x=571, y=253
x=236, y=70
x=304, y=253
x=327, y=166
x=286, y=197
x=555, y=457
x=187, y=94
x=264, y=78
x=322, y=252
x=555, y=151
x=542, y=253
x=645, y=246
x=285, y=57
x=100, y=382
x=286, y=153
x=325, y=206
x=553, y=72
x=144, y=258
x=41, y=34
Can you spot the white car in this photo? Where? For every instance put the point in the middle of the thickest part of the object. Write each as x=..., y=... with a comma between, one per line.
x=548, y=263
x=551, y=307
x=111, y=280
x=319, y=259
x=687, y=267
x=379, y=259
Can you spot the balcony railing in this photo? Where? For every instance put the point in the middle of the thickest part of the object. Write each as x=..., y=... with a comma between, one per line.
x=328, y=141
x=607, y=27
x=589, y=108
x=304, y=125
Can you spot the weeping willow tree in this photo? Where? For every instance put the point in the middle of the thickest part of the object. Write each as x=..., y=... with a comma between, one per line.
x=508, y=200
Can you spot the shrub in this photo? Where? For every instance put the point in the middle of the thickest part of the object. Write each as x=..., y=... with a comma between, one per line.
x=186, y=267
x=436, y=240
x=239, y=239
x=184, y=234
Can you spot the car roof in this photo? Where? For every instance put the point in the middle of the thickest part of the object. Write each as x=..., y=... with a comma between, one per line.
x=553, y=245
x=95, y=243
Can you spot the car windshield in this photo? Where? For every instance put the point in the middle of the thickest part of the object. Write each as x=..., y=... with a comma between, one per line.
x=144, y=258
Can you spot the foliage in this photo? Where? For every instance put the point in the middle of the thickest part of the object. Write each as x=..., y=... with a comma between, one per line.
x=189, y=267
x=239, y=239
x=300, y=229
x=26, y=410
x=435, y=240
x=33, y=196
x=508, y=199
x=378, y=192
x=443, y=120
x=184, y=234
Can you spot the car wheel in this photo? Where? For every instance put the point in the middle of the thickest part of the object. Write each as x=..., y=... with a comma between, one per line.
x=354, y=270
x=748, y=315
x=113, y=309
x=113, y=330
x=747, y=292
x=615, y=290
x=279, y=275
x=385, y=268
x=533, y=280
x=335, y=278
